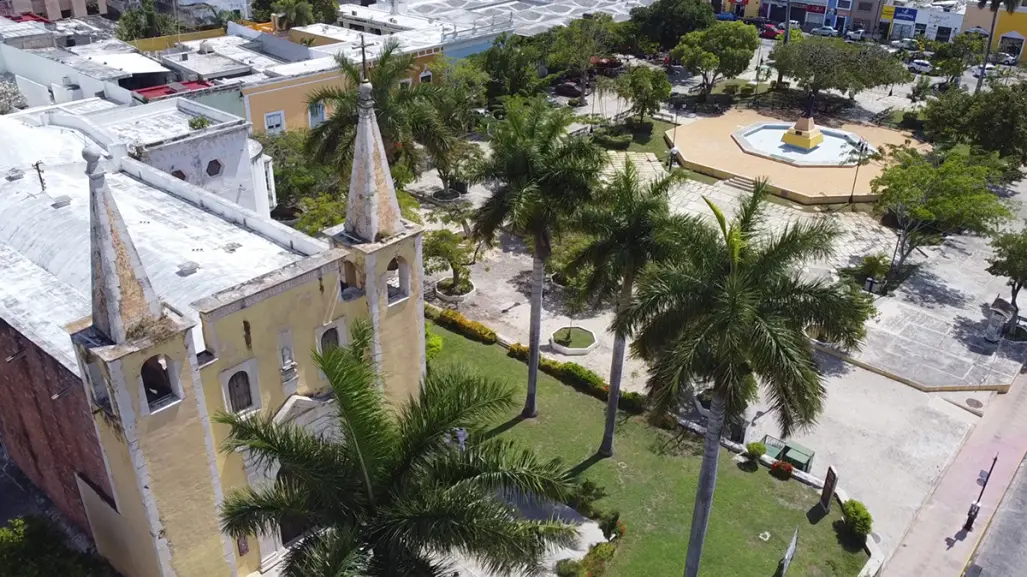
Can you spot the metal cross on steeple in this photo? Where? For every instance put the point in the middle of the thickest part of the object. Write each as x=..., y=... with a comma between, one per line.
x=363, y=59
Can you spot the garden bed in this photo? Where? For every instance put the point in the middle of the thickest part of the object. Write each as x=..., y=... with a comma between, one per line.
x=572, y=341
x=654, y=490
x=444, y=290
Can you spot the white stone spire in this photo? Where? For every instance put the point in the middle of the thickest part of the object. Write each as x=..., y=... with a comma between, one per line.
x=122, y=295
x=372, y=211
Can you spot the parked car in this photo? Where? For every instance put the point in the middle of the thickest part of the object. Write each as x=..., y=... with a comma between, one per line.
x=795, y=25
x=920, y=67
x=726, y=16
x=824, y=31
x=855, y=35
x=770, y=31
x=757, y=21
x=905, y=44
x=989, y=70
x=569, y=89
x=1004, y=59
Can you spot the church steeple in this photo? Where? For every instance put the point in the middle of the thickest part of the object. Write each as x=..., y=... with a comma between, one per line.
x=122, y=295
x=372, y=211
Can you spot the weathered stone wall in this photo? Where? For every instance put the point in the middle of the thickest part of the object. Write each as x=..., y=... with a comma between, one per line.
x=50, y=440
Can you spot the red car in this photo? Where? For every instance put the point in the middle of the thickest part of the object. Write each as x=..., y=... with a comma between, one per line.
x=770, y=31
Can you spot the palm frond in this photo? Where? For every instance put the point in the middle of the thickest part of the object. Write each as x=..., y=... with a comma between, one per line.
x=330, y=552
x=249, y=511
x=367, y=428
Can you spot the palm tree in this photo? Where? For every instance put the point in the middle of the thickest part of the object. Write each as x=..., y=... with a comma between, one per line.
x=405, y=113
x=395, y=490
x=631, y=226
x=542, y=176
x=297, y=12
x=994, y=6
x=734, y=311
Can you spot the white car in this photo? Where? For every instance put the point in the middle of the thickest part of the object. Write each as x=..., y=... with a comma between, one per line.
x=904, y=43
x=824, y=31
x=989, y=70
x=920, y=67
x=855, y=35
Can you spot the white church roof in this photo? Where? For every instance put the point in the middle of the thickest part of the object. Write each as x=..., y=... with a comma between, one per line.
x=45, y=234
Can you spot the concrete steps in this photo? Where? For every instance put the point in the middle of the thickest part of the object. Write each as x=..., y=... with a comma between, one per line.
x=741, y=183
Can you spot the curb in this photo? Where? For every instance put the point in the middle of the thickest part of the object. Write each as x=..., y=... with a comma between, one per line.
x=825, y=348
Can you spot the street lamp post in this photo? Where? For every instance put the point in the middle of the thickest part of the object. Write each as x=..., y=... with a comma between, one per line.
x=975, y=507
x=759, y=68
x=862, y=149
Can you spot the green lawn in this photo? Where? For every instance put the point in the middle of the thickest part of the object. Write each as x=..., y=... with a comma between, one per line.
x=574, y=337
x=654, y=491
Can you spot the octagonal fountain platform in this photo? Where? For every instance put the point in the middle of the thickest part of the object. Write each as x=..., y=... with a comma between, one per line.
x=838, y=149
x=709, y=145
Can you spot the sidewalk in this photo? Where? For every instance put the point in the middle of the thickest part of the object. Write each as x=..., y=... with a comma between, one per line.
x=936, y=544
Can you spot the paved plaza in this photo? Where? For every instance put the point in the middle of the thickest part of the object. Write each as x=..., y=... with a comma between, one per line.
x=874, y=429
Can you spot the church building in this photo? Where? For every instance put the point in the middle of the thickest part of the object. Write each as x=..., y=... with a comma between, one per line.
x=136, y=306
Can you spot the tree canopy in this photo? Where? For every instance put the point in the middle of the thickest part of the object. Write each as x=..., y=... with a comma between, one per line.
x=828, y=63
x=297, y=12
x=952, y=59
x=391, y=491
x=512, y=64
x=1010, y=261
x=993, y=120
x=575, y=44
x=646, y=88
x=145, y=22
x=932, y=195
x=723, y=50
x=666, y=21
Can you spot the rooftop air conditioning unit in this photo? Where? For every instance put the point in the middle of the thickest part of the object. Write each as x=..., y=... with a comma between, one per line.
x=66, y=81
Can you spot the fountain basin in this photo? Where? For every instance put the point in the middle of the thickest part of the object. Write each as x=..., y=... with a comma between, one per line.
x=764, y=139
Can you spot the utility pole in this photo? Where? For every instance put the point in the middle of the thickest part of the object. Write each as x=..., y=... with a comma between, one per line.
x=788, y=21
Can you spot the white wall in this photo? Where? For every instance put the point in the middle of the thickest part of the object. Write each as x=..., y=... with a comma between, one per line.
x=192, y=155
x=46, y=72
x=934, y=17
x=35, y=94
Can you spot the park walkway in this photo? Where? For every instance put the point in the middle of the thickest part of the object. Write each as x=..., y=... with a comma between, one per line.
x=936, y=544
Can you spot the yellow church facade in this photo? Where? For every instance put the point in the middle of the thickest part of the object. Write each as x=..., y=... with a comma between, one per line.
x=155, y=396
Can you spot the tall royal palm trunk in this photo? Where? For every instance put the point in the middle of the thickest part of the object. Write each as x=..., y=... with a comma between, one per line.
x=987, y=48
x=707, y=483
x=616, y=370
x=537, y=278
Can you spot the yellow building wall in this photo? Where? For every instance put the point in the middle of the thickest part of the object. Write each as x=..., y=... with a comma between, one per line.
x=172, y=442
x=298, y=36
x=302, y=310
x=1007, y=23
x=123, y=537
x=752, y=9
x=292, y=94
x=165, y=42
x=401, y=327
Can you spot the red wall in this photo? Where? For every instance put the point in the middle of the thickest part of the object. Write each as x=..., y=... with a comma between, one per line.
x=50, y=440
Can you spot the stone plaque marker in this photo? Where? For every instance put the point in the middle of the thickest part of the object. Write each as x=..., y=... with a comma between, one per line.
x=830, y=484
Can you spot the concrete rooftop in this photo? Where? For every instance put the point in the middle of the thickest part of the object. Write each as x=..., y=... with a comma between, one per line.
x=530, y=16
x=44, y=243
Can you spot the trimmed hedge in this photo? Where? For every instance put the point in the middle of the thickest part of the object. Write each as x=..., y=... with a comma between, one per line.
x=857, y=518
x=612, y=141
x=582, y=380
x=457, y=322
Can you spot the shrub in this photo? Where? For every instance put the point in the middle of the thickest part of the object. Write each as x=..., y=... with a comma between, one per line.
x=611, y=526
x=747, y=90
x=199, y=122
x=755, y=450
x=857, y=518
x=569, y=568
x=597, y=557
x=612, y=141
x=574, y=102
x=432, y=344
x=33, y=547
x=730, y=89
x=583, y=380
x=874, y=266
x=473, y=330
x=912, y=121
x=584, y=497
x=782, y=470
x=631, y=402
